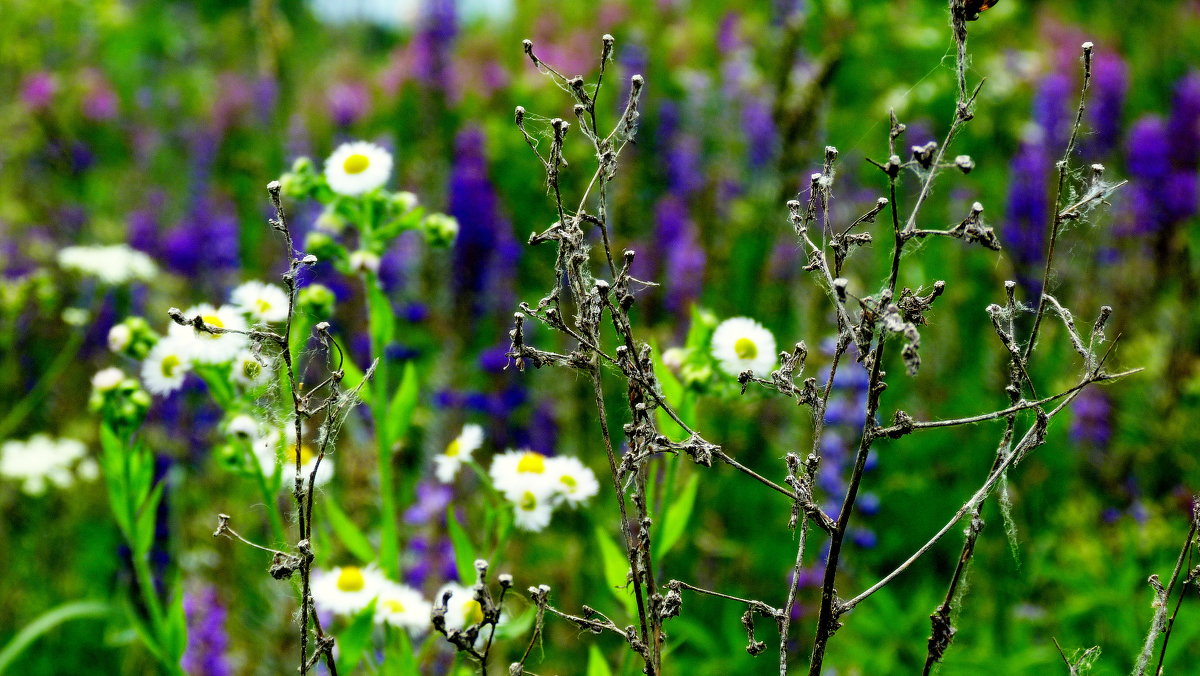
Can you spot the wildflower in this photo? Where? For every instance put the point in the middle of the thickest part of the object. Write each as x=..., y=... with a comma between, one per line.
x=533, y=507
x=42, y=460
x=462, y=610
x=346, y=590
x=263, y=302
x=166, y=365
x=515, y=472
x=213, y=348
x=116, y=264
x=573, y=481
x=119, y=338
x=243, y=426
x=308, y=461
x=742, y=344
x=208, y=641
x=107, y=379
x=358, y=167
x=364, y=261
x=402, y=606
x=250, y=371
x=458, y=451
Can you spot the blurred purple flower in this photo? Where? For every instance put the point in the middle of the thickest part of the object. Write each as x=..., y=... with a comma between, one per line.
x=1183, y=127
x=205, y=241
x=1051, y=110
x=1148, y=149
x=1091, y=422
x=676, y=236
x=1109, y=85
x=1028, y=207
x=430, y=505
x=208, y=640
x=433, y=43
x=484, y=236
x=348, y=102
x=38, y=90
x=235, y=96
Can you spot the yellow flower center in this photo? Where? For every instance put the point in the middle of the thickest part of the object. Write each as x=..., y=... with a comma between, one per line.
x=307, y=454
x=454, y=448
x=472, y=612
x=528, y=501
x=393, y=606
x=170, y=365
x=569, y=481
x=351, y=579
x=745, y=348
x=251, y=369
x=532, y=463
x=356, y=163
x=262, y=306
x=213, y=320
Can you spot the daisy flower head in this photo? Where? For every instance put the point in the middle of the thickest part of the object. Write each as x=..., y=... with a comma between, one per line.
x=402, y=606
x=462, y=610
x=514, y=472
x=308, y=460
x=116, y=264
x=210, y=348
x=250, y=371
x=42, y=461
x=533, y=506
x=262, y=302
x=457, y=452
x=345, y=590
x=165, y=367
x=742, y=344
x=573, y=481
x=357, y=167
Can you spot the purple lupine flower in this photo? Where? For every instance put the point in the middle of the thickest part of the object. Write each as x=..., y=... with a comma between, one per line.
x=100, y=102
x=1183, y=127
x=494, y=359
x=433, y=43
x=38, y=90
x=208, y=640
x=1051, y=109
x=206, y=240
x=762, y=137
x=430, y=505
x=474, y=202
x=543, y=429
x=235, y=96
x=1110, y=81
x=1148, y=149
x=676, y=236
x=1028, y=208
x=266, y=95
x=1092, y=418
x=348, y=102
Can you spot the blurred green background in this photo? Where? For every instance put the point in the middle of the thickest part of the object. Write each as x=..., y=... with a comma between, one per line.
x=159, y=123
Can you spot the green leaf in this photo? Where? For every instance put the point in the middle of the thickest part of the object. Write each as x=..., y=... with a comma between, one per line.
x=354, y=640
x=597, y=665
x=515, y=627
x=380, y=314
x=616, y=570
x=47, y=621
x=675, y=521
x=175, y=633
x=464, y=551
x=354, y=376
x=112, y=459
x=351, y=537
x=403, y=404
x=399, y=657
x=146, y=521
x=673, y=392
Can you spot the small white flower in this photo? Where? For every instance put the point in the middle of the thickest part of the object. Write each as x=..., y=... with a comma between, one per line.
x=741, y=344
x=532, y=507
x=209, y=348
x=119, y=338
x=243, y=426
x=266, y=451
x=345, y=590
x=263, y=302
x=116, y=264
x=515, y=472
x=402, y=606
x=249, y=370
x=166, y=365
x=573, y=481
x=457, y=452
x=462, y=610
x=358, y=167
x=308, y=460
x=364, y=261
x=42, y=460
x=107, y=379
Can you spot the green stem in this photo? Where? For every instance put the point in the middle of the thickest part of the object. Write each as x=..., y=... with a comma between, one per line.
x=380, y=401
x=19, y=411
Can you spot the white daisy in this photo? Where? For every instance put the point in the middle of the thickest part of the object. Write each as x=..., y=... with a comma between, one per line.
x=308, y=460
x=208, y=348
x=741, y=344
x=263, y=302
x=402, y=606
x=119, y=338
x=116, y=264
x=243, y=426
x=107, y=379
x=250, y=371
x=457, y=452
x=40, y=461
x=358, y=167
x=573, y=481
x=515, y=472
x=364, y=261
x=166, y=365
x=533, y=507
x=266, y=451
x=462, y=610
x=345, y=590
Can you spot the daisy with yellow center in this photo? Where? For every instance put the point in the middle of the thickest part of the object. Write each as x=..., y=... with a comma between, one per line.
x=742, y=344
x=462, y=610
x=213, y=348
x=346, y=590
x=358, y=167
x=457, y=452
x=515, y=472
x=402, y=606
x=533, y=508
x=308, y=460
x=165, y=367
x=262, y=302
x=574, y=483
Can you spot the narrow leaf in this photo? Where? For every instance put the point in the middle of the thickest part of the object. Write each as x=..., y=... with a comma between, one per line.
x=354, y=640
x=403, y=404
x=678, y=513
x=464, y=551
x=348, y=533
x=46, y=622
x=597, y=665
